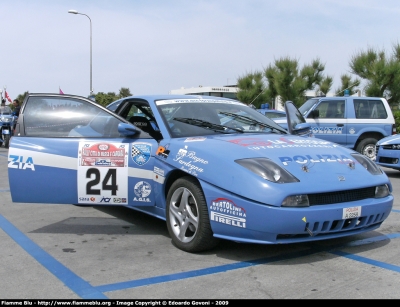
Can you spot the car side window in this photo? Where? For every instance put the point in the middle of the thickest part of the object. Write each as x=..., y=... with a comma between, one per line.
x=67, y=117
x=371, y=109
x=140, y=115
x=331, y=109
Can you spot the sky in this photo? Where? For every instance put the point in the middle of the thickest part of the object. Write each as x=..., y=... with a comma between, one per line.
x=155, y=46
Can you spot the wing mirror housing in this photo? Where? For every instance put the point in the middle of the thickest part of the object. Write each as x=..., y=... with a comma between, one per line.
x=303, y=129
x=127, y=129
x=314, y=113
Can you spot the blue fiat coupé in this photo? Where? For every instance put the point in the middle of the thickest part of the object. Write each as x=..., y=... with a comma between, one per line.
x=245, y=180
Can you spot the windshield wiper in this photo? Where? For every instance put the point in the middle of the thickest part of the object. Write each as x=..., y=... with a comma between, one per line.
x=206, y=124
x=251, y=121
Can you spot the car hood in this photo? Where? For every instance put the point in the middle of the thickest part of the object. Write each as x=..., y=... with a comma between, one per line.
x=319, y=165
x=389, y=140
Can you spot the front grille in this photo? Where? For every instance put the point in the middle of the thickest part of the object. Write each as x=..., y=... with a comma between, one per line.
x=341, y=196
x=388, y=160
x=334, y=228
x=390, y=147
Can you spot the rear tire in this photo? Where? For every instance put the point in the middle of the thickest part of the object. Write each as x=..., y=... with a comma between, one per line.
x=187, y=217
x=367, y=148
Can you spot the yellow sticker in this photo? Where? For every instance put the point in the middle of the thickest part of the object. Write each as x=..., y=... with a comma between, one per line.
x=304, y=219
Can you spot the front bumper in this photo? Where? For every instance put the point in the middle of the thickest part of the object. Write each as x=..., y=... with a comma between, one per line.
x=388, y=157
x=242, y=220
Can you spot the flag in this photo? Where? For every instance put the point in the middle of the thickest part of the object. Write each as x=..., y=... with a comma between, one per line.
x=8, y=97
x=61, y=92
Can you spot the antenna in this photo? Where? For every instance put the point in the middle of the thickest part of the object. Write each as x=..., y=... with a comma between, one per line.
x=257, y=96
x=349, y=88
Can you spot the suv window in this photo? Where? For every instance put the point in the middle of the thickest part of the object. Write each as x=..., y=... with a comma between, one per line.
x=372, y=108
x=331, y=109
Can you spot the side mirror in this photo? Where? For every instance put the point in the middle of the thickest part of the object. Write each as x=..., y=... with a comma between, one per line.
x=127, y=129
x=297, y=125
x=314, y=113
x=302, y=129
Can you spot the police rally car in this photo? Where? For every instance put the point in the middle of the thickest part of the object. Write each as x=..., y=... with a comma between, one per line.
x=247, y=180
x=388, y=152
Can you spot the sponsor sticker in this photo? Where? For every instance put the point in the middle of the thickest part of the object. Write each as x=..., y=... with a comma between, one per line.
x=227, y=212
x=259, y=144
x=189, y=161
x=141, y=153
x=102, y=155
x=195, y=139
x=142, y=190
x=158, y=171
x=162, y=152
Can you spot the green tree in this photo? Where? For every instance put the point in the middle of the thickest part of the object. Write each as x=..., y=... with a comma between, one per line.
x=124, y=92
x=21, y=97
x=347, y=84
x=290, y=83
x=105, y=99
x=380, y=71
x=285, y=80
x=252, y=89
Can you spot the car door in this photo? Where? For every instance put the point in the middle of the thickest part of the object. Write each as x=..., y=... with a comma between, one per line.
x=69, y=150
x=331, y=124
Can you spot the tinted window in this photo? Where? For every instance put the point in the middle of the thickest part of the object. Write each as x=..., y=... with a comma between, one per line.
x=331, y=109
x=372, y=108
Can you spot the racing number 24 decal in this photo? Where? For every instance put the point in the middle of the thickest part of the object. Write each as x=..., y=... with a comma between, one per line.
x=102, y=173
x=111, y=175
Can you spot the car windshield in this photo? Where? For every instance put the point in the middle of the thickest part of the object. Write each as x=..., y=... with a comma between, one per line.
x=194, y=117
x=307, y=106
x=4, y=110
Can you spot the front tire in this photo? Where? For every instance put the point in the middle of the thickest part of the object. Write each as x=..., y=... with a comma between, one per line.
x=6, y=138
x=367, y=147
x=187, y=217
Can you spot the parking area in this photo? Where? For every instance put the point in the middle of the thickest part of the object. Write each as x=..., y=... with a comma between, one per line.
x=73, y=252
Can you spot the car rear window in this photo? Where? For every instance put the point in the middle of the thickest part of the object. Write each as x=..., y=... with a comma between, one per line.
x=370, y=109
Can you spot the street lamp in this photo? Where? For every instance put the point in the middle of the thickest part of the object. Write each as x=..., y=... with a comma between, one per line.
x=76, y=12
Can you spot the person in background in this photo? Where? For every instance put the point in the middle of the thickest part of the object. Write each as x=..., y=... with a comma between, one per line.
x=17, y=107
x=2, y=106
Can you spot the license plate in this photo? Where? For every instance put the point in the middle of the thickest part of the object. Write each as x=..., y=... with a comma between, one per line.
x=352, y=212
x=6, y=131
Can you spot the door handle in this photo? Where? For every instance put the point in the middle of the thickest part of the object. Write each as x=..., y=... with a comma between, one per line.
x=340, y=125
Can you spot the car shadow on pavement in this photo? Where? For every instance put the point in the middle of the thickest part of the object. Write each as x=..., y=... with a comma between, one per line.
x=121, y=221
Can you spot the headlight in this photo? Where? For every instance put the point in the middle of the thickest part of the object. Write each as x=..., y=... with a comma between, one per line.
x=296, y=201
x=382, y=191
x=268, y=170
x=368, y=164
